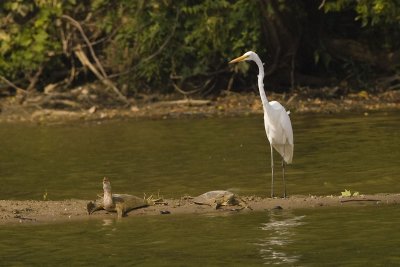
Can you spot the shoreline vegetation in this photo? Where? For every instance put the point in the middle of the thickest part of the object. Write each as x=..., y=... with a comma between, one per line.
x=67, y=108
x=53, y=47
x=34, y=211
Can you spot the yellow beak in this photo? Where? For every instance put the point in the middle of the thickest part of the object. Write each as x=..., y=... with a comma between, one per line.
x=241, y=58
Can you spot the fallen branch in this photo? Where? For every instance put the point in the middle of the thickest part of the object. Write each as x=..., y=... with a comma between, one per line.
x=99, y=72
x=390, y=83
x=322, y=4
x=34, y=79
x=359, y=200
x=19, y=89
x=189, y=102
x=85, y=61
x=198, y=88
x=185, y=93
x=86, y=39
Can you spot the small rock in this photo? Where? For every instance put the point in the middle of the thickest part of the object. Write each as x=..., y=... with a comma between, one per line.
x=277, y=208
x=134, y=109
x=92, y=110
x=165, y=212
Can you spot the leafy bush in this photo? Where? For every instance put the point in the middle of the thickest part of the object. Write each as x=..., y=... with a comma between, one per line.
x=150, y=45
x=28, y=37
x=167, y=40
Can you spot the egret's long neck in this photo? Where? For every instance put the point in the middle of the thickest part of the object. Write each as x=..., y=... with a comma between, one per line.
x=261, y=84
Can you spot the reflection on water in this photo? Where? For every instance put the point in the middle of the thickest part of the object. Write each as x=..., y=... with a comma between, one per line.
x=107, y=222
x=340, y=236
x=279, y=234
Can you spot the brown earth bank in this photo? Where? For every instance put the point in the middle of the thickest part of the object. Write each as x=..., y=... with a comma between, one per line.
x=34, y=212
x=63, y=108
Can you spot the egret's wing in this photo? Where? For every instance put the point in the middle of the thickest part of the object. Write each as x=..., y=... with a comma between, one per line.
x=281, y=132
x=288, y=145
x=286, y=125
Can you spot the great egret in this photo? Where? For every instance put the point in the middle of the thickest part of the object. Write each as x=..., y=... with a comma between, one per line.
x=276, y=121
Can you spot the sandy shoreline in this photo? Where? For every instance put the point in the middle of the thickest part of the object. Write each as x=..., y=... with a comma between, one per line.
x=31, y=211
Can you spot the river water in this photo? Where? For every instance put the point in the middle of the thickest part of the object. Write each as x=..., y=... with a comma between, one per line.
x=178, y=157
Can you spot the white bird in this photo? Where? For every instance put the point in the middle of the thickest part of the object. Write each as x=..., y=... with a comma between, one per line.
x=276, y=121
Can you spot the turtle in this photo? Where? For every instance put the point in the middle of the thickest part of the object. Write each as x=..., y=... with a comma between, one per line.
x=220, y=198
x=121, y=203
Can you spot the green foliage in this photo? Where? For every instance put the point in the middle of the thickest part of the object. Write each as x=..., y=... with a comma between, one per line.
x=180, y=39
x=145, y=44
x=379, y=30
x=149, y=41
x=379, y=18
x=347, y=193
x=27, y=38
x=372, y=12
x=45, y=195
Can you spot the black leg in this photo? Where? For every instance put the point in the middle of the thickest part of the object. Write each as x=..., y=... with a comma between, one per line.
x=272, y=172
x=283, y=176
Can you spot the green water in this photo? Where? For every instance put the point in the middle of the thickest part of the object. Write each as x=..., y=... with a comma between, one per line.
x=177, y=157
x=363, y=236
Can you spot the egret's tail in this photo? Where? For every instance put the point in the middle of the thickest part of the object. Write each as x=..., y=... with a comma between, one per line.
x=286, y=151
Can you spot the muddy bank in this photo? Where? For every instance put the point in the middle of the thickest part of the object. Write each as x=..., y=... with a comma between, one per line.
x=30, y=211
x=44, y=109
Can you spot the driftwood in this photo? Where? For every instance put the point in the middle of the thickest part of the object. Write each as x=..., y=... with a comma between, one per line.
x=359, y=200
x=204, y=83
x=86, y=39
x=6, y=81
x=390, y=83
x=85, y=61
x=34, y=79
x=176, y=87
x=188, y=102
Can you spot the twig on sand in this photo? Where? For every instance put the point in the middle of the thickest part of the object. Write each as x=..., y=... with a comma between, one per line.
x=359, y=200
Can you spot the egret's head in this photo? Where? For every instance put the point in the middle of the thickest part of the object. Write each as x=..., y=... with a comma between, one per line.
x=250, y=55
x=106, y=185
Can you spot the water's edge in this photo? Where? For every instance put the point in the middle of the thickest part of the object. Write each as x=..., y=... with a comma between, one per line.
x=30, y=211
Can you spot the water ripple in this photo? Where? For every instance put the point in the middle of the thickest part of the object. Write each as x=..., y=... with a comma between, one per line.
x=280, y=233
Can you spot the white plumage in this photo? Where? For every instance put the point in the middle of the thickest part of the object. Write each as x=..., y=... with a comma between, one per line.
x=278, y=126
